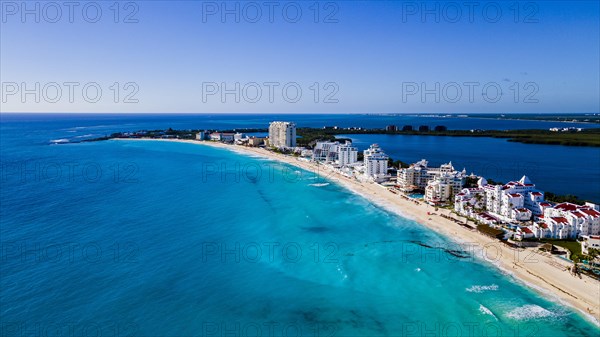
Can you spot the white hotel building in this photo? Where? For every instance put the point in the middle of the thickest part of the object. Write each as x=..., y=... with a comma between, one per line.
x=441, y=187
x=515, y=201
x=343, y=155
x=347, y=154
x=568, y=221
x=375, y=163
x=282, y=134
x=439, y=183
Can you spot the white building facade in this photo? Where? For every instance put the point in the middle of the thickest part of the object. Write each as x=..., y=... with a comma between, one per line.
x=590, y=242
x=375, y=163
x=570, y=221
x=441, y=188
x=419, y=175
x=334, y=152
x=325, y=151
x=515, y=201
x=282, y=134
x=347, y=154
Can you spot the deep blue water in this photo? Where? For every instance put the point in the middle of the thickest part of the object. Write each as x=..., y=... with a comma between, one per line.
x=102, y=123
x=140, y=238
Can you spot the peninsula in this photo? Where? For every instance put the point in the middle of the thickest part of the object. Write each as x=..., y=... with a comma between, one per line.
x=532, y=238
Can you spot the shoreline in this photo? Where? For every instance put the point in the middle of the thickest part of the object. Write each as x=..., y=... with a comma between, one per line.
x=538, y=271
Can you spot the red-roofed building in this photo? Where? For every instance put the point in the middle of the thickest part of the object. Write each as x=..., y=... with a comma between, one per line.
x=541, y=230
x=567, y=206
x=506, y=202
x=590, y=242
x=580, y=220
x=524, y=233
x=521, y=214
x=591, y=212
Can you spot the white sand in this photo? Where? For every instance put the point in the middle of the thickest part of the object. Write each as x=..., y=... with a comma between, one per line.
x=541, y=271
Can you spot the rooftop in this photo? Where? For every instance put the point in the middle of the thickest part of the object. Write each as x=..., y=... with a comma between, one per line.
x=560, y=219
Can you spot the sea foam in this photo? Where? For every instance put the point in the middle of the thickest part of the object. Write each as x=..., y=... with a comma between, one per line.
x=480, y=289
x=484, y=310
x=529, y=311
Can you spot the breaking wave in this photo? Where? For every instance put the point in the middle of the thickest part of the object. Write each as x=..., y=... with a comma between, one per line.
x=530, y=311
x=480, y=289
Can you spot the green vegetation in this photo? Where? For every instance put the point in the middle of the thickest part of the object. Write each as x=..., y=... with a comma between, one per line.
x=582, y=118
x=564, y=198
x=397, y=163
x=309, y=136
x=471, y=182
x=572, y=246
x=588, y=137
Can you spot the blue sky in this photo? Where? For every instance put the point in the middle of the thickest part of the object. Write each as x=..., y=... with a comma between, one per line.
x=373, y=57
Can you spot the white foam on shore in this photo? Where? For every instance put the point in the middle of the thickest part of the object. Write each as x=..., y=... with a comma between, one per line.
x=319, y=184
x=479, y=289
x=530, y=311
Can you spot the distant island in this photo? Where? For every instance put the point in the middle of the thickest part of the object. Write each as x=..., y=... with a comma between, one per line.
x=309, y=136
x=574, y=118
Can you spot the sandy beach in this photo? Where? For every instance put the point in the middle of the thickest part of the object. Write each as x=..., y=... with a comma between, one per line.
x=541, y=271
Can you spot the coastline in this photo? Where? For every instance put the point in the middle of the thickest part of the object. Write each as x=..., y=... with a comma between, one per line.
x=539, y=271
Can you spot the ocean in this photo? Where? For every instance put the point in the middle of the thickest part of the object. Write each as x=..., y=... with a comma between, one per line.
x=143, y=238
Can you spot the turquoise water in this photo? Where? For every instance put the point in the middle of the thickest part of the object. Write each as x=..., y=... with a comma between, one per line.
x=140, y=238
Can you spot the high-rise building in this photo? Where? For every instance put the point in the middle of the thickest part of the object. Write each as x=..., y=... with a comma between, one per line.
x=334, y=152
x=282, y=134
x=418, y=175
x=440, y=188
x=326, y=151
x=375, y=162
x=347, y=154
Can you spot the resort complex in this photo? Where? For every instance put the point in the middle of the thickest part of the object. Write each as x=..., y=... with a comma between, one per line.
x=517, y=209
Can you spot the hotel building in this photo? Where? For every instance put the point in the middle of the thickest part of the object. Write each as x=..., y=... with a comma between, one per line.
x=334, y=152
x=515, y=201
x=325, y=152
x=282, y=134
x=347, y=154
x=590, y=242
x=375, y=163
x=568, y=221
x=419, y=176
